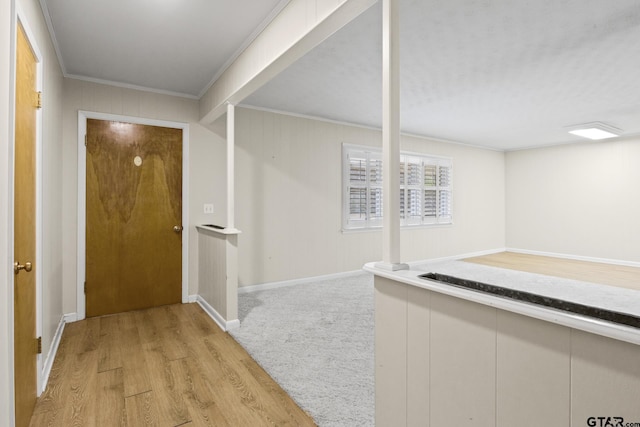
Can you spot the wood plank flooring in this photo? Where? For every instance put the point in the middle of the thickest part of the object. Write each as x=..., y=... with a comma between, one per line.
x=165, y=366
x=585, y=271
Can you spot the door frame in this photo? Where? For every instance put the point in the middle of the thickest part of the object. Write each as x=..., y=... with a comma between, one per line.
x=21, y=19
x=82, y=202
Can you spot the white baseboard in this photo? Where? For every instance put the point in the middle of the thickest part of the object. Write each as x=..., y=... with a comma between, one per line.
x=314, y=279
x=70, y=317
x=233, y=324
x=51, y=354
x=305, y=280
x=192, y=299
x=457, y=257
x=576, y=257
x=224, y=324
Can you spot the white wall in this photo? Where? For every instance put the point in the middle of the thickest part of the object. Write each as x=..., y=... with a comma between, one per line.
x=203, y=145
x=289, y=200
x=579, y=199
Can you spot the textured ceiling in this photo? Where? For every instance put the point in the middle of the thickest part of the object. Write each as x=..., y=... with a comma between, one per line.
x=167, y=45
x=505, y=74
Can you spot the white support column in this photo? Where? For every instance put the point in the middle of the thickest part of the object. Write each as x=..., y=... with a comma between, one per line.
x=231, y=142
x=391, y=136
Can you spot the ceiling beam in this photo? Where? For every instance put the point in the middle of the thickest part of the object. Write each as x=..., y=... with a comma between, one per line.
x=299, y=28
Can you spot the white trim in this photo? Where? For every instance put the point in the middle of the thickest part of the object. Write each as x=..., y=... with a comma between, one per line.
x=302, y=281
x=81, y=218
x=222, y=231
x=8, y=384
x=82, y=156
x=185, y=213
x=131, y=86
x=403, y=228
x=576, y=141
x=21, y=19
x=457, y=257
x=70, y=317
x=367, y=127
x=306, y=116
x=225, y=325
x=391, y=159
x=51, y=354
x=377, y=149
x=233, y=324
x=392, y=266
x=52, y=35
x=231, y=148
x=576, y=257
x=192, y=299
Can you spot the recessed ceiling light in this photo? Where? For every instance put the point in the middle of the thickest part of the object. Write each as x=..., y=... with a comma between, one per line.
x=595, y=130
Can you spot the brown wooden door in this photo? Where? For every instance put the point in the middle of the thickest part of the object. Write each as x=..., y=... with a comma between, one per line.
x=24, y=284
x=133, y=204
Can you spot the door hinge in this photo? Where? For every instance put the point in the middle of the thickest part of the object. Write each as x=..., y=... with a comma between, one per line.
x=85, y=287
x=85, y=139
x=39, y=100
x=39, y=345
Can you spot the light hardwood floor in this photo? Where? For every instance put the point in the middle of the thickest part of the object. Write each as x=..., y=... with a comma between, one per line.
x=165, y=366
x=594, y=272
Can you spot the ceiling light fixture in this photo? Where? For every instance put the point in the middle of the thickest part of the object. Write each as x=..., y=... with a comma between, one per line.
x=595, y=130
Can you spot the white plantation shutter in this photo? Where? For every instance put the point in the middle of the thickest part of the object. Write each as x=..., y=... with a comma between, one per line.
x=375, y=170
x=445, y=193
x=430, y=175
x=363, y=189
x=375, y=190
x=425, y=188
x=430, y=182
x=412, y=196
x=375, y=205
x=430, y=205
x=357, y=189
x=444, y=204
x=437, y=191
x=358, y=203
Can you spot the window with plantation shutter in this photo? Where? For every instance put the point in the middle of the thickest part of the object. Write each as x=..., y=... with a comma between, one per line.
x=425, y=188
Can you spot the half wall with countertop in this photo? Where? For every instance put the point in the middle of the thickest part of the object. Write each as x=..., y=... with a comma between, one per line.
x=451, y=356
x=218, y=274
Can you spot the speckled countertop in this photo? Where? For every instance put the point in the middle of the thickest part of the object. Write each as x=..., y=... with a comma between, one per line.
x=591, y=294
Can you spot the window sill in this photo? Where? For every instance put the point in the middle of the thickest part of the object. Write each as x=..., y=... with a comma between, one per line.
x=402, y=228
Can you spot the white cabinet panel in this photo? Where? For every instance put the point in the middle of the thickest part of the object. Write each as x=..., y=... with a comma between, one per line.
x=390, y=352
x=605, y=377
x=533, y=372
x=463, y=363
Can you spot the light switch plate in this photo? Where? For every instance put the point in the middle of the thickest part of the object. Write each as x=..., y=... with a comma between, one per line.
x=208, y=208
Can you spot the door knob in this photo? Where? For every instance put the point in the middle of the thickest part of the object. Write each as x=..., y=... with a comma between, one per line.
x=26, y=267
x=177, y=228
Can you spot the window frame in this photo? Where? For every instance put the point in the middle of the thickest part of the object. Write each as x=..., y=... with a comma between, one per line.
x=416, y=188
